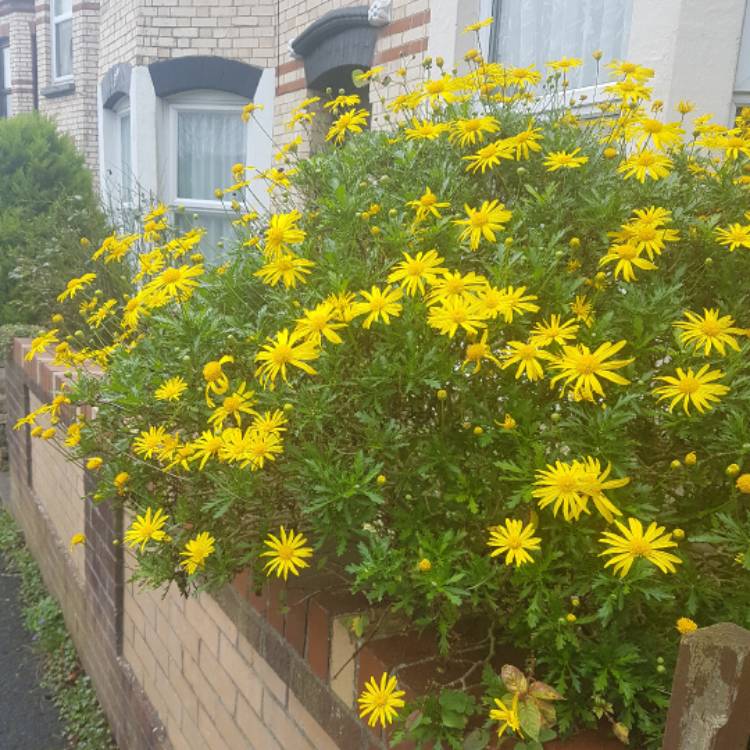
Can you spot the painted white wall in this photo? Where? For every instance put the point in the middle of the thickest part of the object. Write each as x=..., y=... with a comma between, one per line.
x=260, y=130
x=443, y=29
x=143, y=129
x=693, y=45
x=708, y=45
x=654, y=29
x=742, y=77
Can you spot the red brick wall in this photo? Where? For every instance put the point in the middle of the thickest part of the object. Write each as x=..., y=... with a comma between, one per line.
x=255, y=666
x=235, y=671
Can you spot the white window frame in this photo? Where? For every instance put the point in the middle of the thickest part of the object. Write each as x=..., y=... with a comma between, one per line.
x=122, y=110
x=198, y=101
x=54, y=20
x=5, y=89
x=594, y=94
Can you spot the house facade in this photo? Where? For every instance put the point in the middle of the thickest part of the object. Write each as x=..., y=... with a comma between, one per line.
x=151, y=90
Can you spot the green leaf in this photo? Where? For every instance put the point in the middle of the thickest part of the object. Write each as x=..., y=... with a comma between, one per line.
x=477, y=740
x=530, y=719
x=454, y=720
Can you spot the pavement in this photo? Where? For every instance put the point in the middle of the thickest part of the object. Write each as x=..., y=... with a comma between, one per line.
x=28, y=719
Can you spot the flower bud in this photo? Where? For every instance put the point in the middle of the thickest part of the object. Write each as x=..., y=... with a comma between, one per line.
x=424, y=565
x=691, y=459
x=609, y=152
x=597, y=55
x=743, y=484
x=478, y=430
x=381, y=480
x=442, y=394
x=732, y=470
x=676, y=464
x=621, y=732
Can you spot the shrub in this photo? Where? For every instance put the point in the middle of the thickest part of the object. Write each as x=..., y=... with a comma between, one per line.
x=492, y=362
x=85, y=725
x=47, y=205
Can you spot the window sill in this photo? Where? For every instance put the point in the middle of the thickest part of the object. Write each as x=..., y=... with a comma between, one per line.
x=58, y=89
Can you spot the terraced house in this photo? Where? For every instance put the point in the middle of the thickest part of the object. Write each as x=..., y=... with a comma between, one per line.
x=150, y=90
x=152, y=93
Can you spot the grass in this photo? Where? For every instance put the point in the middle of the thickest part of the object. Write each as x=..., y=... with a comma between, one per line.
x=85, y=725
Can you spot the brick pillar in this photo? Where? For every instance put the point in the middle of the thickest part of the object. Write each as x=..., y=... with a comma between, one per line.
x=711, y=691
x=21, y=27
x=104, y=565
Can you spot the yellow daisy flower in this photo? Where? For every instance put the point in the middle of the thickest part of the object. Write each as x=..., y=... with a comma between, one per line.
x=146, y=528
x=564, y=160
x=414, y=272
x=633, y=542
x=527, y=356
x=287, y=268
x=282, y=351
x=697, y=389
x=288, y=553
x=515, y=541
x=379, y=701
x=580, y=368
x=734, y=236
x=645, y=163
x=196, y=551
x=709, y=330
x=483, y=222
x=454, y=313
x=379, y=304
x=171, y=389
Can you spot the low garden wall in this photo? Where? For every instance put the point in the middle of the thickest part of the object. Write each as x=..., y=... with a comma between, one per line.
x=3, y=416
x=275, y=669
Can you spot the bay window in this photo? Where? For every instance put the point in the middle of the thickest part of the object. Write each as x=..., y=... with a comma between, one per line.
x=208, y=138
x=5, y=110
x=62, y=39
x=536, y=32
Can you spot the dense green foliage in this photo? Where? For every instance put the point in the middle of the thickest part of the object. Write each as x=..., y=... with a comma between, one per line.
x=402, y=459
x=47, y=204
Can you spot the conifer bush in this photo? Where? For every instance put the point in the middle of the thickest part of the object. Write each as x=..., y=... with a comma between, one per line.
x=493, y=354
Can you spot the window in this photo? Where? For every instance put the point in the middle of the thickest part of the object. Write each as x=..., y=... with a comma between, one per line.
x=535, y=32
x=742, y=76
x=126, y=164
x=5, y=110
x=208, y=139
x=62, y=39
